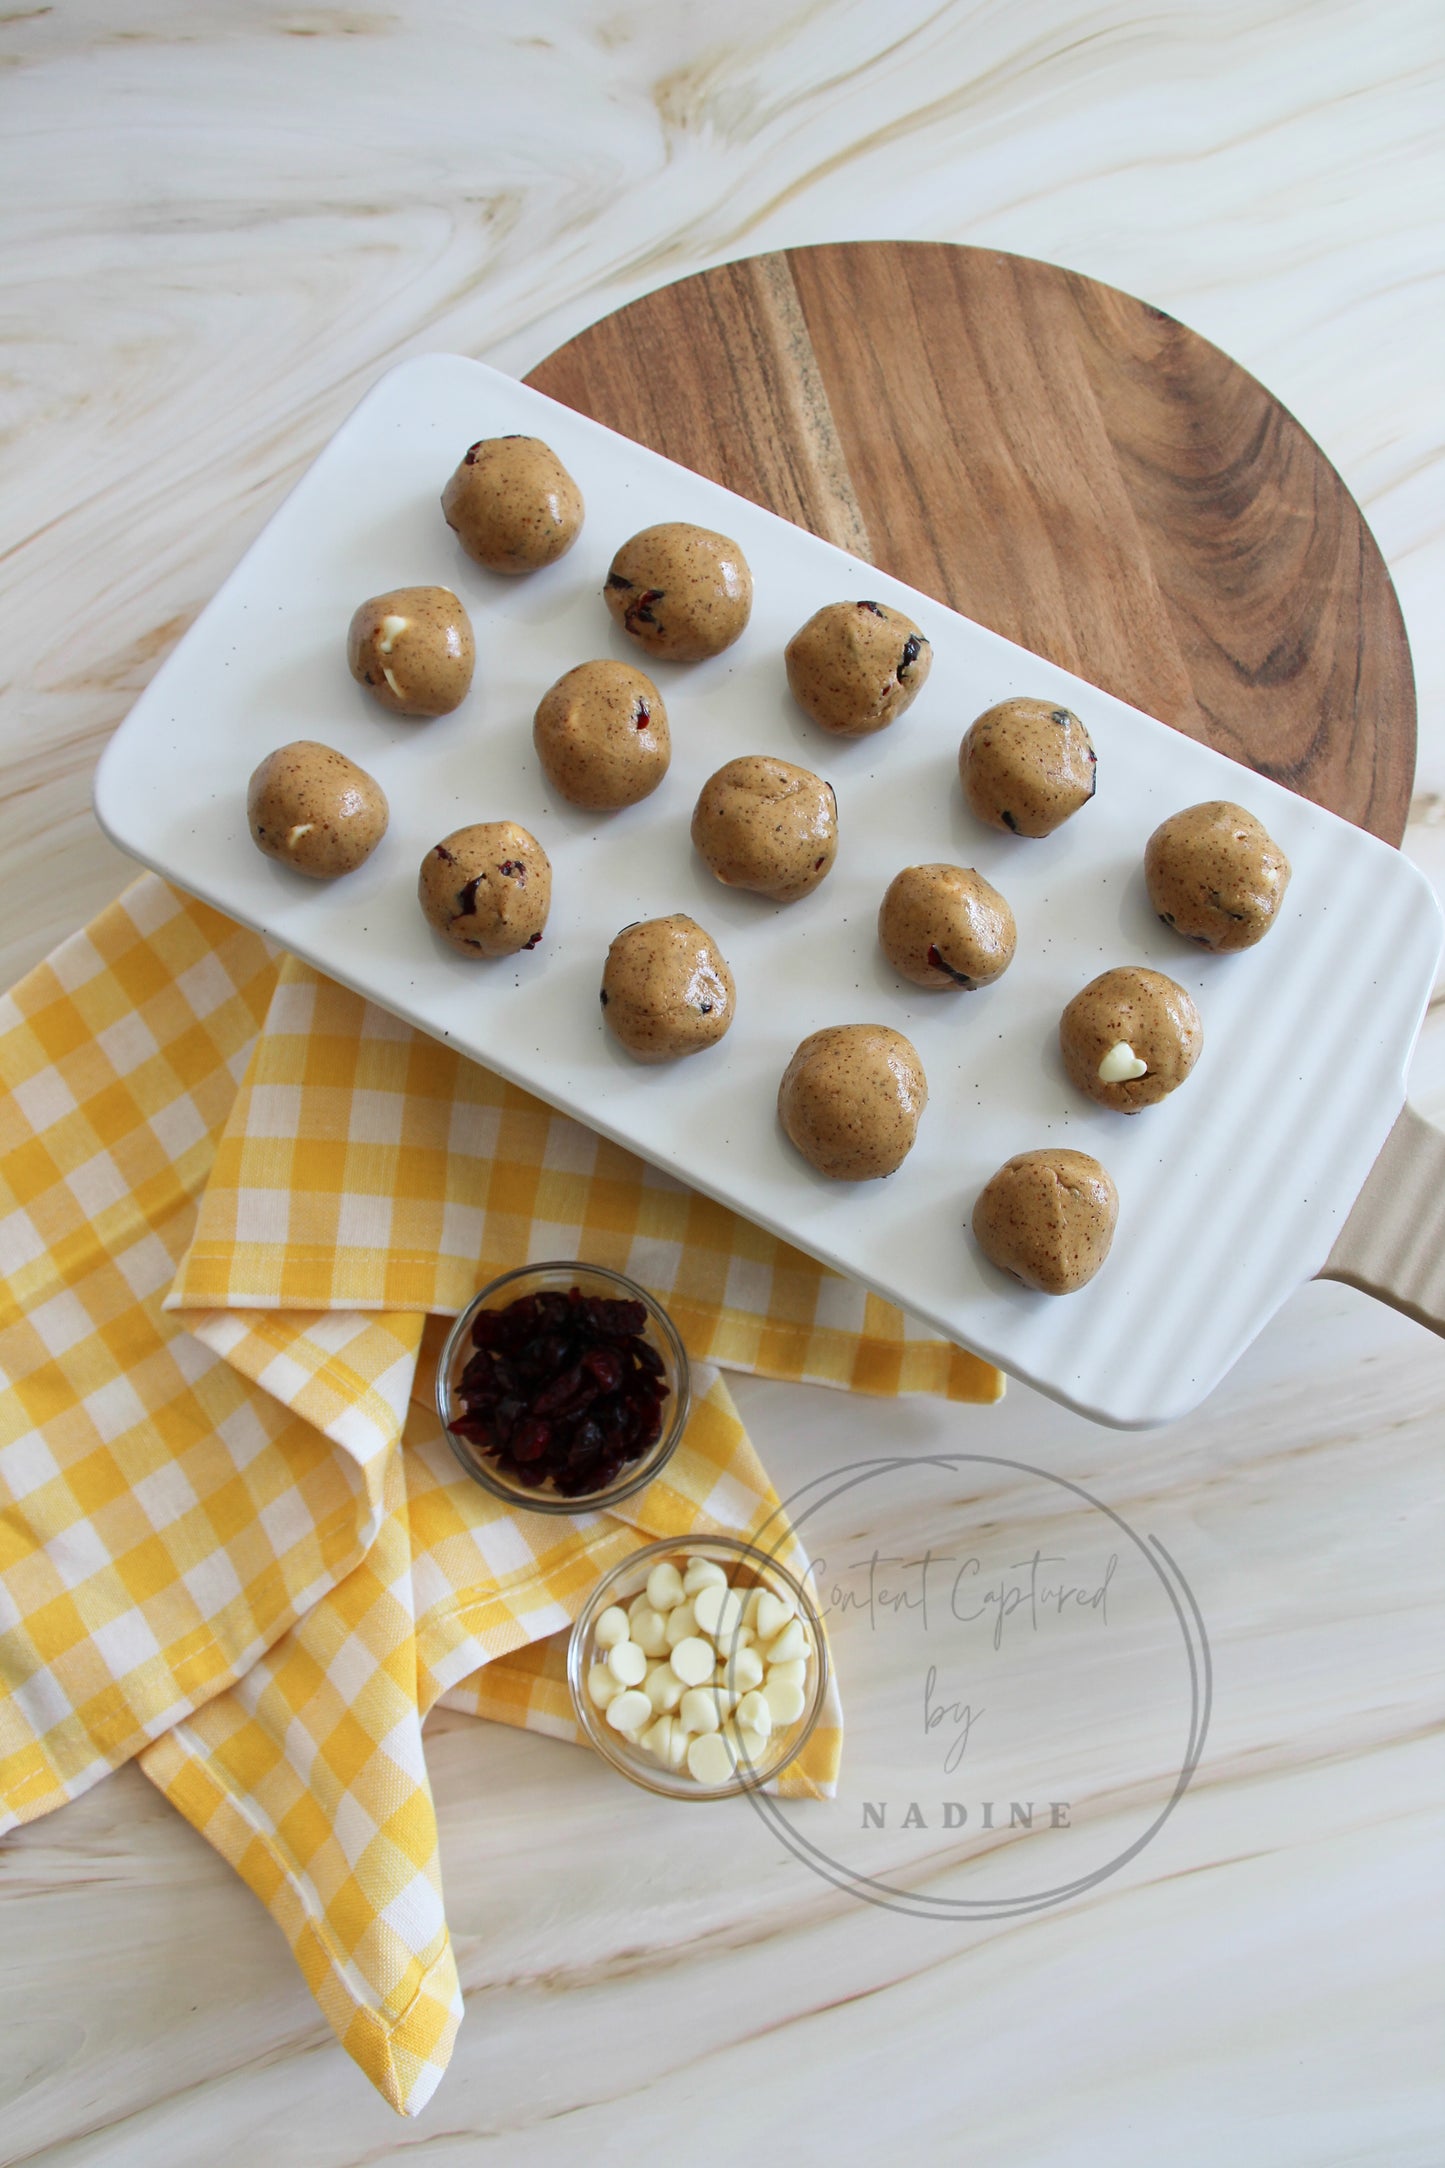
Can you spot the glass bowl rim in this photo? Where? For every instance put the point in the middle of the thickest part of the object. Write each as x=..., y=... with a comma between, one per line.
x=643, y=1471
x=590, y=1720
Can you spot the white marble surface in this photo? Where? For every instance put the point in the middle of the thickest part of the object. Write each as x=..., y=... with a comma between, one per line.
x=220, y=223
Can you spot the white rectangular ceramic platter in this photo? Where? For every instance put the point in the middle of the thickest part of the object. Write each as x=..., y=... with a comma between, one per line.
x=1231, y=1191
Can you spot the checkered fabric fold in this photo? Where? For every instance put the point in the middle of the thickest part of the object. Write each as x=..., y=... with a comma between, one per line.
x=237, y=1205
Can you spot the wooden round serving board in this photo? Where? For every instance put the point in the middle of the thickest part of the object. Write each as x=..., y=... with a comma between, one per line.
x=1056, y=460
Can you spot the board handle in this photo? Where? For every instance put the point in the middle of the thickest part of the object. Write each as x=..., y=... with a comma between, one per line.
x=1392, y=1245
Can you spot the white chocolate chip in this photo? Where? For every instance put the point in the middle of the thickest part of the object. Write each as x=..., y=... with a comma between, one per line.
x=700, y=1710
x=611, y=1627
x=628, y=1663
x=710, y=1759
x=793, y=1674
x=658, y=1738
x=718, y=1611
x=649, y=1631
x=693, y=1660
x=294, y=835
x=680, y=1623
x=1121, y=1064
x=786, y=1701
x=663, y=1687
x=664, y=1586
x=752, y=1746
x=754, y=1713
x=601, y=1686
x=703, y=1573
x=789, y=1646
x=745, y=1670
x=387, y=633
x=681, y=1740
x=391, y=681
x=629, y=1712
x=751, y=1601
x=774, y=1611
x=638, y=1603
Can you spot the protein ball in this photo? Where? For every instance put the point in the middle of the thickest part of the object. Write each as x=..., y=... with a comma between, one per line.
x=512, y=504
x=413, y=650
x=851, y=1100
x=761, y=823
x=682, y=592
x=1130, y=1038
x=601, y=735
x=1216, y=875
x=1027, y=766
x=855, y=666
x=312, y=808
x=666, y=989
x=487, y=889
x=1048, y=1218
x=946, y=926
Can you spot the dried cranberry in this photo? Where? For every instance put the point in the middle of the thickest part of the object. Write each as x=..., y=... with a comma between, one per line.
x=562, y=1387
x=531, y=1439
x=605, y=1365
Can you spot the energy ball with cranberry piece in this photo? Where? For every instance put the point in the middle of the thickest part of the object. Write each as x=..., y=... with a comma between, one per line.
x=763, y=824
x=312, y=808
x=1027, y=766
x=413, y=650
x=487, y=889
x=1130, y=1038
x=601, y=735
x=681, y=592
x=666, y=989
x=1048, y=1218
x=943, y=926
x=512, y=505
x=855, y=666
x=851, y=1100
x=1216, y=875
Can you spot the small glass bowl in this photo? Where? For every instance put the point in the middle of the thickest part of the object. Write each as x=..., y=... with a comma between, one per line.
x=559, y=1277
x=743, y=1563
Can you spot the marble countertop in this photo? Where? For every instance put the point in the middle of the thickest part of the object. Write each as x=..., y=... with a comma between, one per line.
x=221, y=223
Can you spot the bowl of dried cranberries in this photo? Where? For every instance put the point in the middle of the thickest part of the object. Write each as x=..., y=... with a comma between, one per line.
x=563, y=1385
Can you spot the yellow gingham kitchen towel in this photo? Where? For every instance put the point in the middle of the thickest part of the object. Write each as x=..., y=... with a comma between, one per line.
x=232, y=1538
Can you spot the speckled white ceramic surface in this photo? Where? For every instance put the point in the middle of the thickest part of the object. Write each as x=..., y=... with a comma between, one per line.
x=1231, y=1191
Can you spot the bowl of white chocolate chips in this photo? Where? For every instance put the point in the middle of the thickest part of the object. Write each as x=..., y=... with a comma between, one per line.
x=698, y=1668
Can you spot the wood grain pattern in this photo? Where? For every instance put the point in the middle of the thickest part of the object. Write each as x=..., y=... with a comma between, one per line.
x=1053, y=458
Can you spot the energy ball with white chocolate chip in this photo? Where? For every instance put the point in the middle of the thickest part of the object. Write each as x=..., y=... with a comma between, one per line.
x=1027, y=766
x=487, y=889
x=412, y=648
x=855, y=666
x=601, y=735
x=1048, y=1218
x=666, y=989
x=763, y=824
x=1130, y=1038
x=1216, y=875
x=312, y=808
x=946, y=926
x=851, y=1100
x=680, y=591
x=512, y=505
